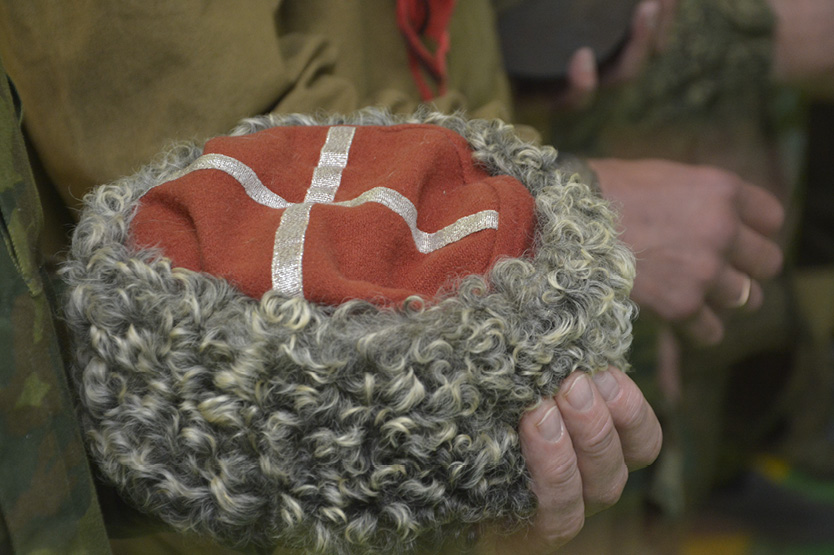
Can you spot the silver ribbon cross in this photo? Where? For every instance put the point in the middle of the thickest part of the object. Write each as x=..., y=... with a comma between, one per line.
x=288, y=250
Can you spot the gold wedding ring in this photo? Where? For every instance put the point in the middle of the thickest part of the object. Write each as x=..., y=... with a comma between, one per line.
x=745, y=294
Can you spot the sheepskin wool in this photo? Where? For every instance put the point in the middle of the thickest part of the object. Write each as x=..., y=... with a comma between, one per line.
x=337, y=429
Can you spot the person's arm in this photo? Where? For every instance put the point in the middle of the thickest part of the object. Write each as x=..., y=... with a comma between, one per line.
x=579, y=448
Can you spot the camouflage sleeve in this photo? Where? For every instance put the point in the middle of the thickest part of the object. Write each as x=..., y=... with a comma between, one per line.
x=47, y=499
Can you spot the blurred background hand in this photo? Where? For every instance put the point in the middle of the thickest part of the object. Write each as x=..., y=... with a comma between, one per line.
x=703, y=238
x=650, y=24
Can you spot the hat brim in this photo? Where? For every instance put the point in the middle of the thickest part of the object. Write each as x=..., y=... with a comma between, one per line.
x=277, y=420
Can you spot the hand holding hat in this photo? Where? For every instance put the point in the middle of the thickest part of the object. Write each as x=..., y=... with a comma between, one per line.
x=350, y=405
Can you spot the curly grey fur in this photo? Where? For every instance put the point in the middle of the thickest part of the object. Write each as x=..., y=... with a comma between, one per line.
x=339, y=429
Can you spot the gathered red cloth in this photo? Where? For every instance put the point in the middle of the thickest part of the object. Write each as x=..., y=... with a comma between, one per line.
x=338, y=213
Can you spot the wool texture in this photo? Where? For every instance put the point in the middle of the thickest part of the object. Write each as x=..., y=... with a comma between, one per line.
x=338, y=429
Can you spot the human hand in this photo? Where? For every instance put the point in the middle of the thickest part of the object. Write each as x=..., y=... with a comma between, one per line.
x=701, y=235
x=804, y=44
x=649, y=27
x=579, y=448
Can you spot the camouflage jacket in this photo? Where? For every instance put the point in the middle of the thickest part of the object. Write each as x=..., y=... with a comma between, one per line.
x=47, y=499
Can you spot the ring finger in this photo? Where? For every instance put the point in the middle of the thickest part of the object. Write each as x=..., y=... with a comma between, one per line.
x=733, y=290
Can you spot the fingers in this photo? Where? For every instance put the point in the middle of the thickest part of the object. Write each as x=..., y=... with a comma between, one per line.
x=699, y=234
x=557, y=483
x=641, y=43
x=734, y=289
x=752, y=254
x=759, y=209
x=751, y=257
x=705, y=327
x=755, y=255
x=583, y=73
x=583, y=80
x=549, y=452
x=599, y=454
x=578, y=448
x=637, y=426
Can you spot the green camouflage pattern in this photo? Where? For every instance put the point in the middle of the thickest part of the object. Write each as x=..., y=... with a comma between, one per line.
x=47, y=498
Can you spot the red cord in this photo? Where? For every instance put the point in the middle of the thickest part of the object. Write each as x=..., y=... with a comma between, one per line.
x=422, y=21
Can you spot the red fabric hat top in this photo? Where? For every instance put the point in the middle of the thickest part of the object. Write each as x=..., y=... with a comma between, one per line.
x=338, y=213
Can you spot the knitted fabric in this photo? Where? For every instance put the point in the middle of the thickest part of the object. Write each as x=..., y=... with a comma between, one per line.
x=353, y=428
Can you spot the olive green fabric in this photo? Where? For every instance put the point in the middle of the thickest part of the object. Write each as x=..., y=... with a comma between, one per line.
x=47, y=501
x=127, y=77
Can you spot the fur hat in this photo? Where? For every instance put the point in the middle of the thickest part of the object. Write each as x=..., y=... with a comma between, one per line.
x=268, y=418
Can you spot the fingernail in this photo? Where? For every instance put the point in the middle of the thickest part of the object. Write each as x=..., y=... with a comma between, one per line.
x=580, y=395
x=607, y=384
x=550, y=426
